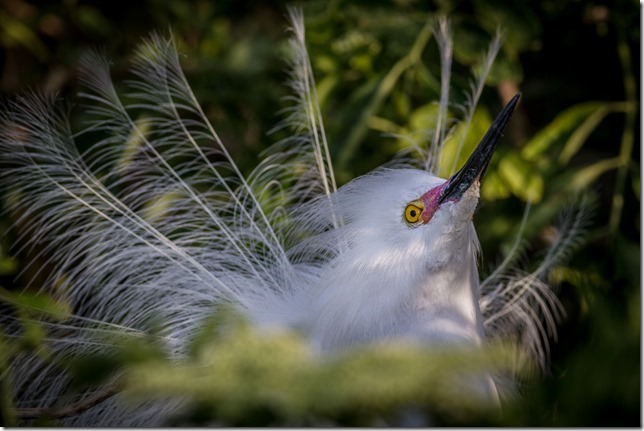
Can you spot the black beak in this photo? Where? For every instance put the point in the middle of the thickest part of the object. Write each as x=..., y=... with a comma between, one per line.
x=475, y=167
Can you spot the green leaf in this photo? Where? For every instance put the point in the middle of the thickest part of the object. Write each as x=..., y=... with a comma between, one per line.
x=586, y=176
x=493, y=187
x=560, y=129
x=424, y=117
x=325, y=86
x=521, y=177
x=580, y=135
x=37, y=304
x=462, y=142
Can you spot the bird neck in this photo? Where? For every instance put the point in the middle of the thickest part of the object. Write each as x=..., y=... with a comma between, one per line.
x=447, y=302
x=440, y=304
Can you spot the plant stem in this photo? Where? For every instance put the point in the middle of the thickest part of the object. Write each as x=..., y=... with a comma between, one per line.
x=626, y=148
x=384, y=89
x=6, y=393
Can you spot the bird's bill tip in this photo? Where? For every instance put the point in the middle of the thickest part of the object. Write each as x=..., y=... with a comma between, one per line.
x=474, y=168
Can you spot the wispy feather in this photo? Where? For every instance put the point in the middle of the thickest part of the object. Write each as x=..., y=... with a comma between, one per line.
x=155, y=227
x=522, y=306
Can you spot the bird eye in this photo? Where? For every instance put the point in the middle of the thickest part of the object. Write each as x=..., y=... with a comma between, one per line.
x=413, y=212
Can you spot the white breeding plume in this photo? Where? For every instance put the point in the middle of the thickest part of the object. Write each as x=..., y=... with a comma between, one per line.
x=156, y=224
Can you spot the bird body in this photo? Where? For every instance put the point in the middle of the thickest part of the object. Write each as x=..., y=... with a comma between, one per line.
x=384, y=279
x=171, y=229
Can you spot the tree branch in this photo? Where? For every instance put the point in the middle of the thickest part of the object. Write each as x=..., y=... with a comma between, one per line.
x=72, y=409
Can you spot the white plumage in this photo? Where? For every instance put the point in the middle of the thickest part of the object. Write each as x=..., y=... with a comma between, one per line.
x=166, y=229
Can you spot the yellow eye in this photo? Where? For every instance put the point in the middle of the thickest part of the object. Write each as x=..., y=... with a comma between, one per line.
x=413, y=212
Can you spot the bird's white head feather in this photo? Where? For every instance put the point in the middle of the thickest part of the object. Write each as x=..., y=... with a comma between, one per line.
x=380, y=269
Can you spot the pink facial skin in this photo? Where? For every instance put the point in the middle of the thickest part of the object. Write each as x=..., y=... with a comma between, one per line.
x=430, y=200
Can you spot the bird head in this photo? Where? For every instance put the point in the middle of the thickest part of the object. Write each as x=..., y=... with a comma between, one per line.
x=419, y=217
x=464, y=185
x=446, y=208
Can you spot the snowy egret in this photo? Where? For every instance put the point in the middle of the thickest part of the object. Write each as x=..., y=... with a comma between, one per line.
x=175, y=227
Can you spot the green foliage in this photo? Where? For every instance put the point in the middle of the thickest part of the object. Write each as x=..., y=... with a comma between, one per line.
x=234, y=375
x=243, y=377
x=30, y=309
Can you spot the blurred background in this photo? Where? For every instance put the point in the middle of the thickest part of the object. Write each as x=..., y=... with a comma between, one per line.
x=576, y=131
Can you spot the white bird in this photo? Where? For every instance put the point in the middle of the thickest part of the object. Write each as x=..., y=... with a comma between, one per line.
x=157, y=224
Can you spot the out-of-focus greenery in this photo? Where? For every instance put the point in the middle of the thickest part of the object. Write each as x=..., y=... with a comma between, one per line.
x=242, y=377
x=575, y=131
